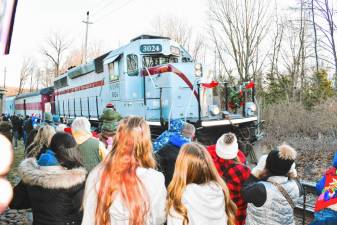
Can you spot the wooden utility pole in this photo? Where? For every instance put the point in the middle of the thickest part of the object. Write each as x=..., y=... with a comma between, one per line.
x=86, y=38
x=5, y=73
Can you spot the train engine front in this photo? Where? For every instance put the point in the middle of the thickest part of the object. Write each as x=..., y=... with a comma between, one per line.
x=169, y=82
x=174, y=88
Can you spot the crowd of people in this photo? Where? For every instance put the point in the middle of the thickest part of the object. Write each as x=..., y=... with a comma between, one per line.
x=73, y=176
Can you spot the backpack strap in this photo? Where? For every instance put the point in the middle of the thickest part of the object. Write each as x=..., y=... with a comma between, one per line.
x=284, y=193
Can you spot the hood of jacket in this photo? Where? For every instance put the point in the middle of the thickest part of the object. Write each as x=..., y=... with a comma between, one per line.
x=176, y=125
x=206, y=200
x=174, y=129
x=178, y=140
x=81, y=136
x=48, y=159
x=50, y=177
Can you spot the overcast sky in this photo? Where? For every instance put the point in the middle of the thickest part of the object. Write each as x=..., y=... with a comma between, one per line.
x=115, y=23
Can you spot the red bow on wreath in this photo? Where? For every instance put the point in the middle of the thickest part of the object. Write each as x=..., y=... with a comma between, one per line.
x=250, y=85
x=210, y=85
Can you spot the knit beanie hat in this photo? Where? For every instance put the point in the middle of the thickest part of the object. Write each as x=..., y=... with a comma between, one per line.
x=109, y=105
x=110, y=119
x=280, y=161
x=48, y=159
x=48, y=117
x=261, y=165
x=56, y=118
x=227, y=146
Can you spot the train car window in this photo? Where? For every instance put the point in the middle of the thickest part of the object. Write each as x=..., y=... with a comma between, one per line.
x=61, y=82
x=173, y=59
x=186, y=59
x=132, y=64
x=156, y=60
x=113, y=71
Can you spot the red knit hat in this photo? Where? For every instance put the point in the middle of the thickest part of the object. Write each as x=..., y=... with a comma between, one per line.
x=109, y=105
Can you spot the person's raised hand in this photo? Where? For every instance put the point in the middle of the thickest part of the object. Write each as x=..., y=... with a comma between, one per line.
x=6, y=159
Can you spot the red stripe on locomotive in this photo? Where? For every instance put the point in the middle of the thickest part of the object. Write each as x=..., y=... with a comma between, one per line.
x=81, y=88
x=29, y=106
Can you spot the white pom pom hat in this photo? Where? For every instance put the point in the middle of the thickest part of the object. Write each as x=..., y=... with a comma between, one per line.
x=227, y=150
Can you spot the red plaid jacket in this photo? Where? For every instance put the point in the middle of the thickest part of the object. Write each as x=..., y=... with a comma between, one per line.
x=234, y=174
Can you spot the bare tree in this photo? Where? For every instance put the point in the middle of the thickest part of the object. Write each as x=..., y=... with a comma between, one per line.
x=238, y=28
x=75, y=56
x=277, y=40
x=74, y=59
x=326, y=12
x=54, y=49
x=32, y=78
x=174, y=28
x=96, y=49
x=181, y=32
x=25, y=72
x=36, y=79
x=47, y=77
x=291, y=49
x=312, y=8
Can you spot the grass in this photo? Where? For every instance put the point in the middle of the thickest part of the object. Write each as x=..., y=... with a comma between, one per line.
x=18, y=157
x=14, y=178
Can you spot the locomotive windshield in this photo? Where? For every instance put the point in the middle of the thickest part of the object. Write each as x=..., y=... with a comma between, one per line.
x=156, y=60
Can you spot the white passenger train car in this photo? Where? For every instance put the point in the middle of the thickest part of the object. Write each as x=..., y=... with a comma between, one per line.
x=37, y=103
x=9, y=105
x=28, y=104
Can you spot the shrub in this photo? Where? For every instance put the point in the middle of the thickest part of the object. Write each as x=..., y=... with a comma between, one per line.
x=319, y=90
x=311, y=132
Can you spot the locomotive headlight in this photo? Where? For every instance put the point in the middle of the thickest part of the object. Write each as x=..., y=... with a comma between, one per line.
x=198, y=70
x=250, y=108
x=214, y=110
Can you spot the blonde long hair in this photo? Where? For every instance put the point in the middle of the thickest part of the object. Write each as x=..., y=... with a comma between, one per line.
x=42, y=138
x=132, y=148
x=195, y=165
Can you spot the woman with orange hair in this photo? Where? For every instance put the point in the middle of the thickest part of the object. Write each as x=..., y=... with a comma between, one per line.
x=197, y=195
x=125, y=188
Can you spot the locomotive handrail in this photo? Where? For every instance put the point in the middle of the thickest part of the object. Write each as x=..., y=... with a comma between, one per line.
x=148, y=72
x=189, y=101
x=259, y=133
x=152, y=81
x=160, y=95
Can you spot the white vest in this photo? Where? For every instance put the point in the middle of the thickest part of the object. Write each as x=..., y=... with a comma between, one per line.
x=276, y=210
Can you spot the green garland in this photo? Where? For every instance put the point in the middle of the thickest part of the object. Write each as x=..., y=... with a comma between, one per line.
x=235, y=97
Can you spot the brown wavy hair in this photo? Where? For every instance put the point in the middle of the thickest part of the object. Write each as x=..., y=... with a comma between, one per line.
x=132, y=148
x=195, y=165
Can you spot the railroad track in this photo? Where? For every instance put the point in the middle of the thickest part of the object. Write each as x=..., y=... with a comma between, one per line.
x=304, y=211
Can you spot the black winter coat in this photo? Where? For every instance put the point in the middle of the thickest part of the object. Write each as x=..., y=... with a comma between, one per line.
x=15, y=122
x=28, y=126
x=54, y=193
x=166, y=158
